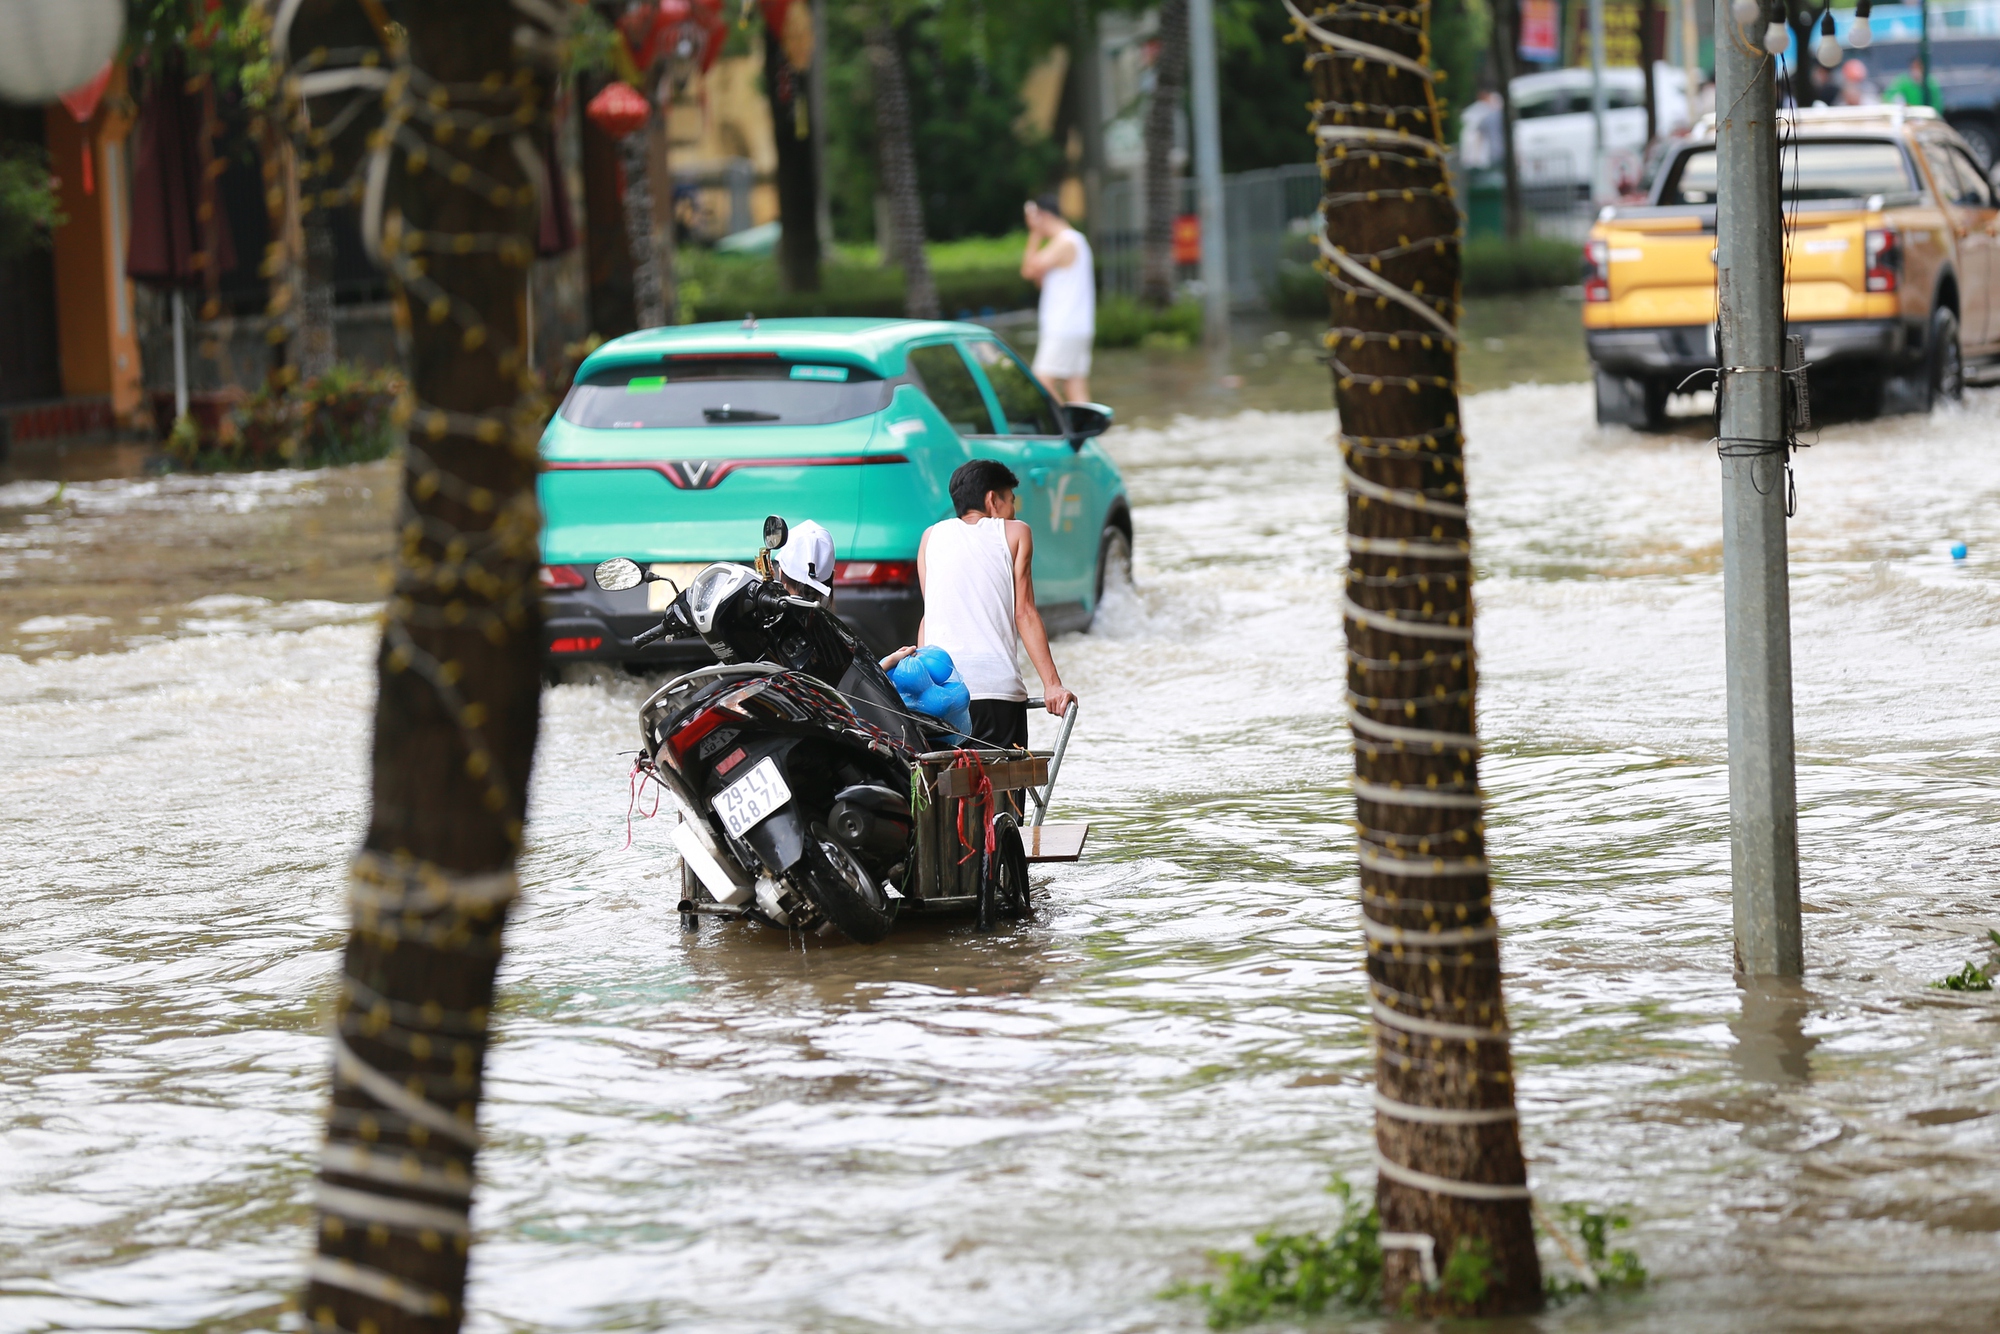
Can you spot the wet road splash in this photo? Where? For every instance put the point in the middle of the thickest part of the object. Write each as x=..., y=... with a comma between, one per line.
x=1041, y=1128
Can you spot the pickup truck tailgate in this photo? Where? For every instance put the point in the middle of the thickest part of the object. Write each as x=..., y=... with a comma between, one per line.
x=1658, y=276
x=1661, y=276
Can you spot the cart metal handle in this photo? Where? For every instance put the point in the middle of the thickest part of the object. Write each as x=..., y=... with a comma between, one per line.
x=1042, y=798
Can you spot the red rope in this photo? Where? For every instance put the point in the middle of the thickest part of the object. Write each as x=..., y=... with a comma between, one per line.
x=982, y=786
x=642, y=765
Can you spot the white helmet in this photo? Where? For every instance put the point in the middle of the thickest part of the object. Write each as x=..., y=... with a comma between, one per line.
x=807, y=557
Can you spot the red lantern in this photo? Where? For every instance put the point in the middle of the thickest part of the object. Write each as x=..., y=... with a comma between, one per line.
x=618, y=110
x=673, y=13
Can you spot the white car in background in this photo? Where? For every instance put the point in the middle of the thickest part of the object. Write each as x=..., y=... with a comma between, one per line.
x=1554, y=139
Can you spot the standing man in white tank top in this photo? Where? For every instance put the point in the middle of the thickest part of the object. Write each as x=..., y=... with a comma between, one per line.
x=1058, y=261
x=979, y=603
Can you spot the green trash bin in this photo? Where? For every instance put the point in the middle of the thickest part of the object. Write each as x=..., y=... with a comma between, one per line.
x=1485, y=203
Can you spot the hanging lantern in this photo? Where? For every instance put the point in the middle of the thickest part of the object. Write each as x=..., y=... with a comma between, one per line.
x=52, y=46
x=618, y=110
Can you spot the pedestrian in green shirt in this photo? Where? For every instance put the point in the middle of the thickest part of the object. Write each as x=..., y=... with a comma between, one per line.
x=1911, y=90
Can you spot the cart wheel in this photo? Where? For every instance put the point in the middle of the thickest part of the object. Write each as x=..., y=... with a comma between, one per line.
x=1009, y=872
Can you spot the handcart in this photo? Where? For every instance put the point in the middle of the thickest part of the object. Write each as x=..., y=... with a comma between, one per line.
x=973, y=846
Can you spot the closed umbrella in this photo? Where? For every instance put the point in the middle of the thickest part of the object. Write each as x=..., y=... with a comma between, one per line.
x=180, y=234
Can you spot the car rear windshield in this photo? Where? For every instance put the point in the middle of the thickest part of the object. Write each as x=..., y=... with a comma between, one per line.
x=1815, y=169
x=724, y=391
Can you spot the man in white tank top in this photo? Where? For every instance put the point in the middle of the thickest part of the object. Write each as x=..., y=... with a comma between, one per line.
x=1058, y=261
x=979, y=603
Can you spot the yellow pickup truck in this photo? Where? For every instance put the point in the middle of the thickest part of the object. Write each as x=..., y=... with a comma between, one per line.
x=1891, y=273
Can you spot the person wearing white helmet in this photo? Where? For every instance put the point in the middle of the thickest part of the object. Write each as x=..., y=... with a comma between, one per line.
x=805, y=562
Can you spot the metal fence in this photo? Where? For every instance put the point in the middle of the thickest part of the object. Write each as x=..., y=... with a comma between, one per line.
x=1271, y=217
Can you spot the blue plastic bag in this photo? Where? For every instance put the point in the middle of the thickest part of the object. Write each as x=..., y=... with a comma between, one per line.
x=929, y=683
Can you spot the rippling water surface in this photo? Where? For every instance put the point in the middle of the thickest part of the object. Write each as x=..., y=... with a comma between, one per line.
x=1039, y=1129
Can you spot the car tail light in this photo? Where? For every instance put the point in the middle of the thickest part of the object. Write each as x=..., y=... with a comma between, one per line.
x=560, y=576
x=1597, y=271
x=1883, y=262
x=577, y=644
x=874, y=574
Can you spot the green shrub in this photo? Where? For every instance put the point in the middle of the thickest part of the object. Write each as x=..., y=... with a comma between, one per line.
x=726, y=287
x=1974, y=976
x=1124, y=322
x=343, y=416
x=1493, y=264
x=1616, y=1270
x=1297, y=1274
x=29, y=210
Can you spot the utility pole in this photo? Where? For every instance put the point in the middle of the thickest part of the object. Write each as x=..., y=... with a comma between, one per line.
x=1924, y=48
x=1690, y=55
x=1599, y=175
x=1208, y=174
x=1750, y=340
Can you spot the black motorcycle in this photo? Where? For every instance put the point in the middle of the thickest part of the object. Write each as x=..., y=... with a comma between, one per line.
x=792, y=756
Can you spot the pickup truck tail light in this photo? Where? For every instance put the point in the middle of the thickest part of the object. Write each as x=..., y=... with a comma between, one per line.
x=1883, y=259
x=875, y=574
x=1597, y=271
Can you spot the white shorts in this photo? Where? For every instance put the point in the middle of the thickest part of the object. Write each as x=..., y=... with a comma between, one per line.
x=1063, y=356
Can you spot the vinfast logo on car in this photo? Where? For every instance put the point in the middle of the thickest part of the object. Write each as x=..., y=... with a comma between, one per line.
x=707, y=474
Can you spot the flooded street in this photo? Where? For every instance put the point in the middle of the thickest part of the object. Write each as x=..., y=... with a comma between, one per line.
x=1040, y=1129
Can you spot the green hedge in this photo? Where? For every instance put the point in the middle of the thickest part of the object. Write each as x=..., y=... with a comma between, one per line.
x=1123, y=322
x=1493, y=265
x=724, y=287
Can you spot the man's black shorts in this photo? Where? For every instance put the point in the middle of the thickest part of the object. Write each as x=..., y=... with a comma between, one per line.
x=1000, y=722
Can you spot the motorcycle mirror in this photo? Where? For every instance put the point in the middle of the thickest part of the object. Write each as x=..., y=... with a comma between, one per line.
x=618, y=574
x=775, y=532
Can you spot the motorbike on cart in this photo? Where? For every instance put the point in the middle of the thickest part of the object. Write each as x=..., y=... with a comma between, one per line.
x=811, y=796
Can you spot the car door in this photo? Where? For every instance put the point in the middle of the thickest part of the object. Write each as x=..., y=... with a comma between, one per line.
x=1030, y=439
x=1971, y=229
x=1983, y=233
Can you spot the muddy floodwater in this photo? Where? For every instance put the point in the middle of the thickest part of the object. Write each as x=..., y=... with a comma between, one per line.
x=1039, y=1129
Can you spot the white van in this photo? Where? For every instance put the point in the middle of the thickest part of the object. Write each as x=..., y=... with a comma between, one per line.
x=1553, y=134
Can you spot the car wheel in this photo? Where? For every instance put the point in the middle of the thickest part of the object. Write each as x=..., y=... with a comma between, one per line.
x=1947, y=366
x=1114, y=564
x=1654, y=405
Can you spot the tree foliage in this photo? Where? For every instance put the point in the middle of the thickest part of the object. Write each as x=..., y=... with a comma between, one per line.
x=29, y=209
x=966, y=63
x=227, y=38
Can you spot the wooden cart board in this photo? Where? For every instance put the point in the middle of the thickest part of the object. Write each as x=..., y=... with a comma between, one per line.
x=951, y=823
x=1004, y=775
x=1055, y=842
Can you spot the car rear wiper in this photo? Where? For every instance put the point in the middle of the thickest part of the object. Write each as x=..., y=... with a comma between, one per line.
x=725, y=413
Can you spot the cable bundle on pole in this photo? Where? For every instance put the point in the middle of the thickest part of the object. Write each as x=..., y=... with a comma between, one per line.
x=1451, y=1183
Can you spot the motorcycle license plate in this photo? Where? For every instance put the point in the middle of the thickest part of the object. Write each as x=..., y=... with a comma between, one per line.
x=752, y=797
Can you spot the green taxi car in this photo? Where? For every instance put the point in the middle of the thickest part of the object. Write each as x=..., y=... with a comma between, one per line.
x=674, y=444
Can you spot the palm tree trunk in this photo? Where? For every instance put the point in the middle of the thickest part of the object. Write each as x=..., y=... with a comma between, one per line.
x=790, y=93
x=1156, y=255
x=896, y=163
x=607, y=250
x=1448, y=1148
x=650, y=277
x=1506, y=36
x=459, y=677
